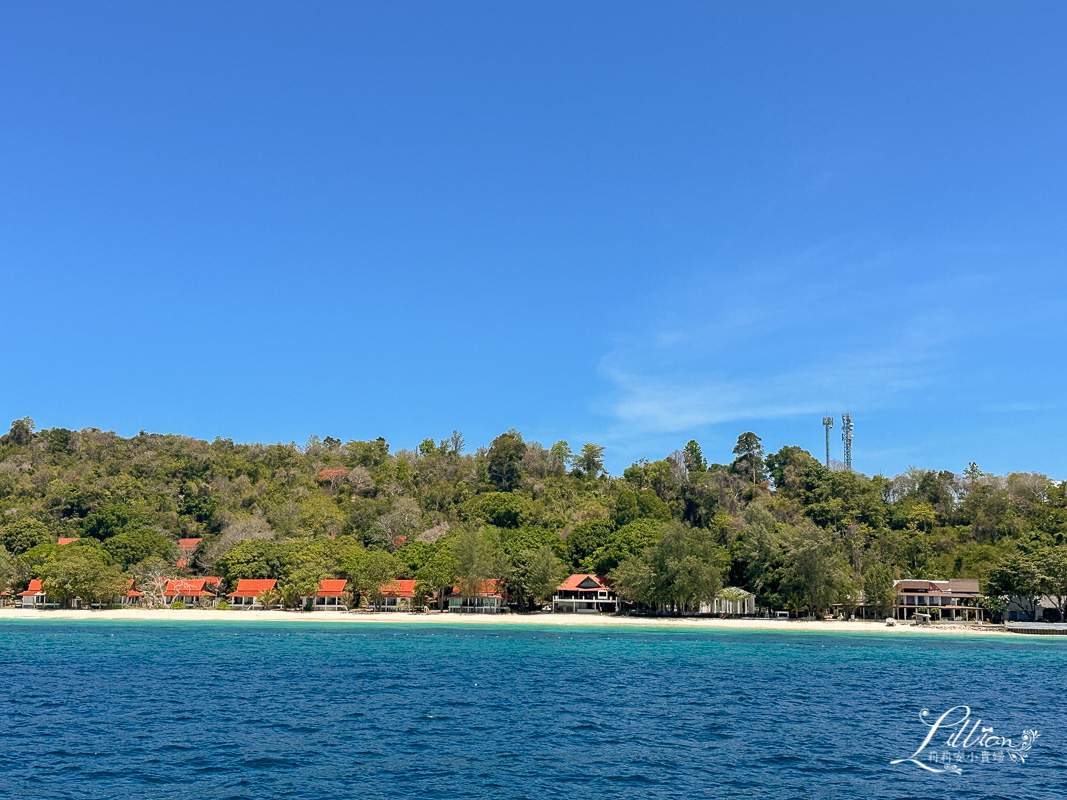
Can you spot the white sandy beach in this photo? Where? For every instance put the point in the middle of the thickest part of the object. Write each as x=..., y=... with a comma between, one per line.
x=563, y=620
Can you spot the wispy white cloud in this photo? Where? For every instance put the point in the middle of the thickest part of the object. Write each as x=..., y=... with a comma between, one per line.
x=801, y=337
x=652, y=400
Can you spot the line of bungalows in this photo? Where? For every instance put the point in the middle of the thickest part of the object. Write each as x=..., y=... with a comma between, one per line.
x=579, y=593
x=582, y=593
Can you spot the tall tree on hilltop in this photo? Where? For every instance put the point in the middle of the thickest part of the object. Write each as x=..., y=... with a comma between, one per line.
x=694, y=457
x=591, y=459
x=505, y=455
x=749, y=461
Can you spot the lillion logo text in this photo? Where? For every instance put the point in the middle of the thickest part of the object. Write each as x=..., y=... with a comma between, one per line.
x=954, y=739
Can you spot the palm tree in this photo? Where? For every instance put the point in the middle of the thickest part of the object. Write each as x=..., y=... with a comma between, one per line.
x=267, y=599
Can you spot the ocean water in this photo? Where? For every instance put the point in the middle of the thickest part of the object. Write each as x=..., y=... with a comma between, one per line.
x=319, y=710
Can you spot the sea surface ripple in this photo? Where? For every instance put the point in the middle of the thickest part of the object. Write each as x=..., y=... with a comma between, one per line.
x=246, y=711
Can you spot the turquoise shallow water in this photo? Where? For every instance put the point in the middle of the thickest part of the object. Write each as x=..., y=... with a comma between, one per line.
x=312, y=710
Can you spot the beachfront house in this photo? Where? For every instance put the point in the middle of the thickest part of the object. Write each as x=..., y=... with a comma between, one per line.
x=731, y=602
x=585, y=593
x=396, y=596
x=188, y=591
x=954, y=600
x=248, y=591
x=35, y=596
x=329, y=596
x=488, y=598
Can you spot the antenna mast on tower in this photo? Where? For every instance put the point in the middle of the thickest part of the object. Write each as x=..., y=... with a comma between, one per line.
x=846, y=437
x=828, y=422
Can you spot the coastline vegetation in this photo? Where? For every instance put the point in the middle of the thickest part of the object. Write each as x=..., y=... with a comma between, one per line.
x=670, y=533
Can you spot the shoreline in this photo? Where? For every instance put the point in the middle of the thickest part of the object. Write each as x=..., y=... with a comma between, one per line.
x=561, y=620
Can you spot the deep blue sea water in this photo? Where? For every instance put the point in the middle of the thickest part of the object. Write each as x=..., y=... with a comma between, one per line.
x=324, y=710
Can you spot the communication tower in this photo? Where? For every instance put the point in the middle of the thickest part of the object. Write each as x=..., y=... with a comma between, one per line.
x=846, y=437
x=828, y=422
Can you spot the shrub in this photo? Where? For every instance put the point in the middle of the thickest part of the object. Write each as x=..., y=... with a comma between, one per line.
x=177, y=604
x=223, y=605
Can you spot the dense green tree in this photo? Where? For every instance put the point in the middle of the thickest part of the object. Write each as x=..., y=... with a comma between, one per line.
x=1017, y=576
x=325, y=558
x=586, y=538
x=21, y=433
x=591, y=460
x=561, y=456
x=438, y=574
x=479, y=558
x=679, y=572
x=112, y=519
x=504, y=457
x=132, y=547
x=534, y=575
x=412, y=556
x=814, y=569
x=515, y=540
x=80, y=572
x=788, y=464
x=749, y=461
x=758, y=554
x=23, y=534
x=501, y=509
x=652, y=507
x=8, y=572
x=629, y=540
x=368, y=572
x=878, y=587
x=694, y=458
x=626, y=508
x=1052, y=564
x=252, y=559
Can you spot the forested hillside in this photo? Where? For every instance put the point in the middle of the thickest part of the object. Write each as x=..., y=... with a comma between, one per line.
x=669, y=532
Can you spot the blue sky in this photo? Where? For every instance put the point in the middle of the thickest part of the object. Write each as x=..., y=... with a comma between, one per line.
x=629, y=223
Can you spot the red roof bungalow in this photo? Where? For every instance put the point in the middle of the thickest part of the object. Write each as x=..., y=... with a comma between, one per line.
x=35, y=596
x=396, y=595
x=185, y=590
x=328, y=597
x=68, y=540
x=488, y=599
x=585, y=593
x=249, y=589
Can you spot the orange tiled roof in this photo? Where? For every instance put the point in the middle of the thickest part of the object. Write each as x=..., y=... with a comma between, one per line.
x=184, y=587
x=490, y=588
x=399, y=589
x=68, y=540
x=188, y=545
x=249, y=587
x=331, y=588
x=574, y=583
x=34, y=588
